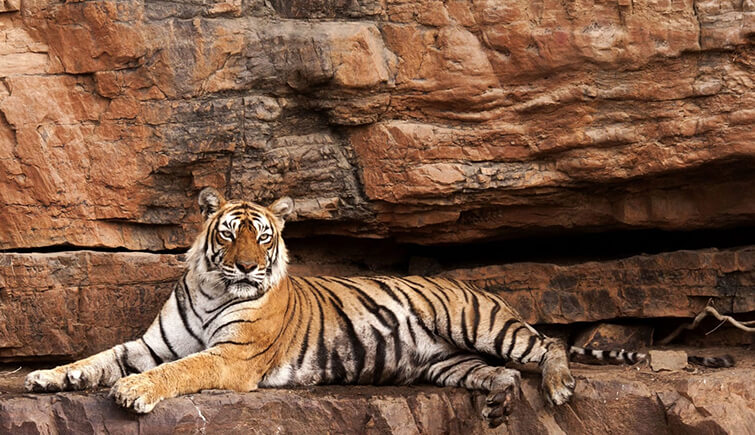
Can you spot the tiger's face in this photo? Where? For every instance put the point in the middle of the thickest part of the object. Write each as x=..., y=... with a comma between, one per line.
x=241, y=249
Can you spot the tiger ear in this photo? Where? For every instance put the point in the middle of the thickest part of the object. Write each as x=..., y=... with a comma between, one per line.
x=282, y=208
x=210, y=200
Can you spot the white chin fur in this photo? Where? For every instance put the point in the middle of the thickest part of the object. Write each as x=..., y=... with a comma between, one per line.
x=244, y=290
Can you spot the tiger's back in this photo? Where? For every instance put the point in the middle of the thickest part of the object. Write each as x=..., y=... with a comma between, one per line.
x=389, y=330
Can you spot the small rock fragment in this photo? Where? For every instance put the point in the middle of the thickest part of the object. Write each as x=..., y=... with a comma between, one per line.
x=667, y=360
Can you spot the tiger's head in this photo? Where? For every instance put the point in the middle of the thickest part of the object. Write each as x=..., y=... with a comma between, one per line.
x=240, y=250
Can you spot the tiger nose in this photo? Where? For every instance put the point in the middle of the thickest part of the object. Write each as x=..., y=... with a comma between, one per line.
x=246, y=266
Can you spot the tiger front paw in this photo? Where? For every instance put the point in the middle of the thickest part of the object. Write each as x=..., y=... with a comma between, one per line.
x=136, y=392
x=60, y=379
x=558, y=385
x=40, y=381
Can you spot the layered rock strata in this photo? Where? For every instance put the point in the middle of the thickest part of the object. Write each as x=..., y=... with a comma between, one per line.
x=423, y=121
x=69, y=305
x=606, y=400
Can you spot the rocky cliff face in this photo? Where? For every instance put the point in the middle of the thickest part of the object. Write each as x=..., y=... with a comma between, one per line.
x=411, y=121
x=422, y=121
x=406, y=121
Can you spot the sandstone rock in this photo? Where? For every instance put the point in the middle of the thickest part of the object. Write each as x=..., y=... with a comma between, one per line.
x=71, y=304
x=667, y=360
x=607, y=399
x=10, y=5
x=427, y=122
x=675, y=284
x=712, y=403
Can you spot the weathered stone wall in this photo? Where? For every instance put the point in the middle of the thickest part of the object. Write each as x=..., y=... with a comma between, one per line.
x=426, y=121
x=416, y=121
x=70, y=305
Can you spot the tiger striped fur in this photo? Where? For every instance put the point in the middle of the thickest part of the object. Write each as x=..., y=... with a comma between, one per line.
x=236, y=320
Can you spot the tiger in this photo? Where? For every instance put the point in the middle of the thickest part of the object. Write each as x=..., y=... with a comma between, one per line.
x=236, y=320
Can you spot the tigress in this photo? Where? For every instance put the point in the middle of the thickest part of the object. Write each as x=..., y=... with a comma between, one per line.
x=235, y=320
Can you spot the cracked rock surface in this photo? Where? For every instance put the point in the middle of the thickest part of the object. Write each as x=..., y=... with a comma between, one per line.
x=73, y=304
x=424, y=121
x=607, y=400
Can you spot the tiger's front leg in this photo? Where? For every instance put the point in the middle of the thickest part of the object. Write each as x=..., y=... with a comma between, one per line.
x=219, y=367
x=104, y=369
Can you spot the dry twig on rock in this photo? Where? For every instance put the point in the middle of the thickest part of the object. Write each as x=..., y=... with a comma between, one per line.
x=7, y=373
x=703, y=314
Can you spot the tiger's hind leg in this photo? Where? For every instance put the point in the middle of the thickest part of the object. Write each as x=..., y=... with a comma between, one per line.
x=558, y=384
x=473, y=373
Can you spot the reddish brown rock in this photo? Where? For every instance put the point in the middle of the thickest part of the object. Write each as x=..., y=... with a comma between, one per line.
x=71, y=304
x=60, y=306
x=606, y=399
x=427, y=122
x=675, y=284
x=661, y=360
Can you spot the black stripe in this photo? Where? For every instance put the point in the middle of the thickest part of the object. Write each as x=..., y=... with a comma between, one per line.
x=412, y=333
x=165, y=337
x=513, y=341
x=377, y=370
x=181, y=307
x=322, y=353
x=530, y=345
x=130, y=368
x=155, y=357
x=444, y=306
x=316, y=282
x=493, y=312
x=304, y=345
x=467, y=342
x=384, y=316
x=188, y=296
x=377, y=310
x=415, y=312
x=502, y=336
x=388, y=290
x=234, y=342
x=463, y=377
x=356, y=344
x=119, y=361
x=412, y=309
x=449, y=370
x=230, y=323
x=475, y=317
x=442, y=289
x=337, y=369
x=420, y=293
x=224, y=307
